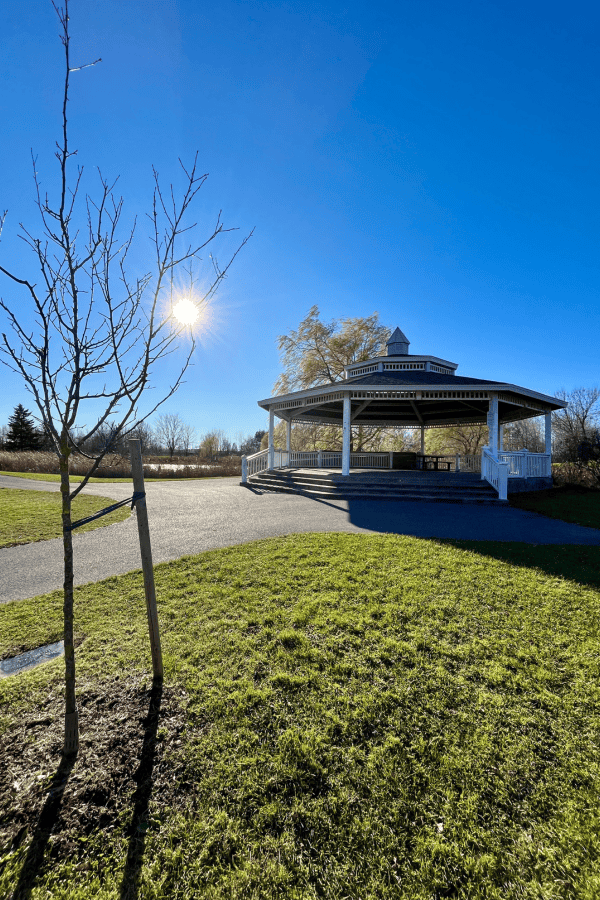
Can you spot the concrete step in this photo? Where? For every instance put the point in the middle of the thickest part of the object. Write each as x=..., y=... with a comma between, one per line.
x=368, y=478
x=327, y=487
x=372, y=489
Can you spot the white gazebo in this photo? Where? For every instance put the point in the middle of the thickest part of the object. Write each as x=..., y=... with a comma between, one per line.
x=412, y=391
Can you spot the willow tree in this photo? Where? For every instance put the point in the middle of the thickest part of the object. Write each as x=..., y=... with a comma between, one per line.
x=86, y=333
x=316, y=353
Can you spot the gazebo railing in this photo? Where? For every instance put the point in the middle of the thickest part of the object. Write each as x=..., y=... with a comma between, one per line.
x=523, y=464
x=468, y=462
x=519, y=464
x=332, y=459
x=311, y=459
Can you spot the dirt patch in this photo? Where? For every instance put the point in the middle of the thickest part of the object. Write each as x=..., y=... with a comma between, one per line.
x=129, y=754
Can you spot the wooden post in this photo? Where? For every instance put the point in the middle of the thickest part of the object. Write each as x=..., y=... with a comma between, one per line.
x=137, y=471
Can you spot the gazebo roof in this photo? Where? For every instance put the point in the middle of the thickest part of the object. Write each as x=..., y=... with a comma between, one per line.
x=408, y=390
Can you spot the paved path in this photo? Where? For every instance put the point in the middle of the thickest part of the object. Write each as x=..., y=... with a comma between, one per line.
x=188, y=517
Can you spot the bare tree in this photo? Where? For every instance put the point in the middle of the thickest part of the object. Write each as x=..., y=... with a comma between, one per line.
x=96, y=333
x=525, y=434
x=170, y=431
x=145, y=435
x=577, y=423
x=188, y=437
x=250, y=444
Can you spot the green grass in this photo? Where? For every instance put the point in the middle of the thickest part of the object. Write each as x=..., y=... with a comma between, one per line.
x=571, y=503
x=46, y=476
x=27, y=516
x=367, y=716
x=76, y=479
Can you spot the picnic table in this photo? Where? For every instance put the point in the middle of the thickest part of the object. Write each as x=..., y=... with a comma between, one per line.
x=437, y=463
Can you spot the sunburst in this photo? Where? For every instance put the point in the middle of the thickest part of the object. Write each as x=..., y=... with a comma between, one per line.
x=186, y=312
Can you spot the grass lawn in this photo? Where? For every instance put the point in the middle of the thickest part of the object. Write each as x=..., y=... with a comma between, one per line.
x=42, y=476
x=343, y=716
x=27, y=516
x=75, y=479
x=570, y=503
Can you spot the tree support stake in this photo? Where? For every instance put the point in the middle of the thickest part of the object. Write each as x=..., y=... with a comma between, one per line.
x=137, y=471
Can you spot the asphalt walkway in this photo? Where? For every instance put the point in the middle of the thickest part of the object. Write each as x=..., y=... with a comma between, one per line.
x=191, y=516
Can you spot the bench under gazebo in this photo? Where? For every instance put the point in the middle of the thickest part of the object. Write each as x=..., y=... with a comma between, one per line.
x=403, y=390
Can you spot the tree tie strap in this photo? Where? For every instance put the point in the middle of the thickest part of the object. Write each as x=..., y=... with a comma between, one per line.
x=137, y=495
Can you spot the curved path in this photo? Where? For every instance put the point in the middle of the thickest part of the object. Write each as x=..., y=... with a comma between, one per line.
x=188, y=517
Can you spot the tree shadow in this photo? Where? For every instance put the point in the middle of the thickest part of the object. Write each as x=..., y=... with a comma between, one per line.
x=468, y=522
x=579, y=563
x=48, y=818
x=141, y=799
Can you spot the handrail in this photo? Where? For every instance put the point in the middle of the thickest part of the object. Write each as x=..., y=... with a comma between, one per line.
x=495, y=472
x=257, y=462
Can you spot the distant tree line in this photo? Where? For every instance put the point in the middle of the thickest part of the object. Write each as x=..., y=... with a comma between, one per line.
x=170, y=435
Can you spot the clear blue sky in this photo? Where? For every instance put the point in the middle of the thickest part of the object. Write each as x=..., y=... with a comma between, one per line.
x=436, y=162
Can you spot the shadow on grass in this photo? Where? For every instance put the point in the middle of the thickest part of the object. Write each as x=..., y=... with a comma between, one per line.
x=48, y=818
x=522, y=538
x=141, y=799
x=578, y=563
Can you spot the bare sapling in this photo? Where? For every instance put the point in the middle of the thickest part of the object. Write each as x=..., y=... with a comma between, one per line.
x=85, y=333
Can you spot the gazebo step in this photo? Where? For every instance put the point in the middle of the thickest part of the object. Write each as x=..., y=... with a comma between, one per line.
x=469, y=491
x=385, y=477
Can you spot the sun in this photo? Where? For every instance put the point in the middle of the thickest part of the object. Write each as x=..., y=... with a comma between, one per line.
x=186, y=312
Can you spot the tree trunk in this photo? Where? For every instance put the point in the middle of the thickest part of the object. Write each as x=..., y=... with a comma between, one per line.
x=71, y=718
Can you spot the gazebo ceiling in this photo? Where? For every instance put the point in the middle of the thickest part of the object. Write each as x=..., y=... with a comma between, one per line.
x=404, y=390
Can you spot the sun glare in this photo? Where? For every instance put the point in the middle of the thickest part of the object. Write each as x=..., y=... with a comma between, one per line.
x=186, y=312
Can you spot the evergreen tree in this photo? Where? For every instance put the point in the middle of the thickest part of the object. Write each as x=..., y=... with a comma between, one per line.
x=22, y=434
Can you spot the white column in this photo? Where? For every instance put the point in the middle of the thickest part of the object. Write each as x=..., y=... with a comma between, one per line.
x=271, y=464
x=501, y=437
x=346, y=436
x=422, y=440
x=288, y=435
x=492, y=421
x=548, y=432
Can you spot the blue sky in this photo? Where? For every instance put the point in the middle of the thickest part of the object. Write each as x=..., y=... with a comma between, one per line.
x=436, y=162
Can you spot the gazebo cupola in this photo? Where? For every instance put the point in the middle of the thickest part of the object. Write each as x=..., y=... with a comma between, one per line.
x=398, y=344
x=398, y=359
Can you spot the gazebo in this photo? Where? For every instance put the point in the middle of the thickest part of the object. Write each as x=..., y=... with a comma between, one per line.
x=413, y=391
